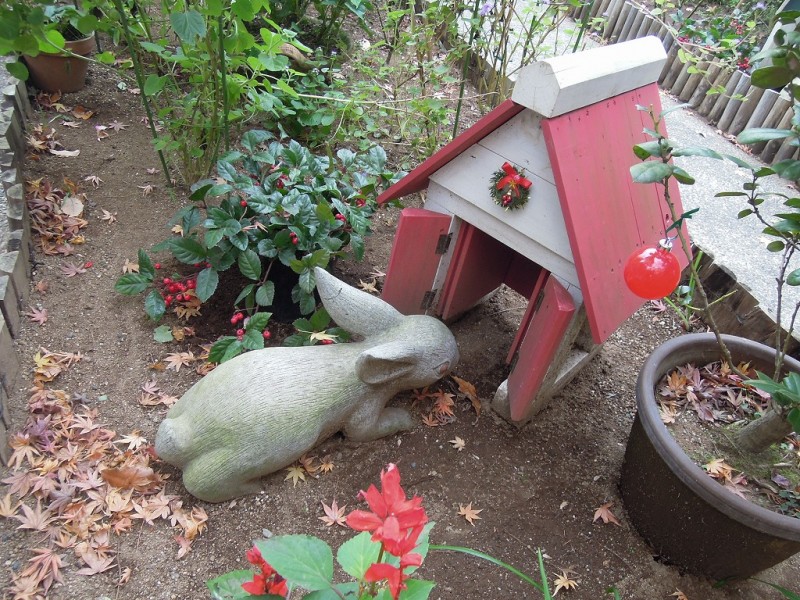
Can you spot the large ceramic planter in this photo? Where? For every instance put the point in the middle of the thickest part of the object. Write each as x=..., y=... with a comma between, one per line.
x=61, y=72
x=688, y=518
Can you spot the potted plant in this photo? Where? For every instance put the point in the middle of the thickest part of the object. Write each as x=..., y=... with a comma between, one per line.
x=688, y=518
x=49, y=41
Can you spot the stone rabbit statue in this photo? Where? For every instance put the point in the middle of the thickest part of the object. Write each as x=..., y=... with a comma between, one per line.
x=260, y=411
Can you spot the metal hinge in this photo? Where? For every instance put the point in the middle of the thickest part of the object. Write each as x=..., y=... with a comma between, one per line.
x=539, y=299
x=428, y=300
x=444, y=243
x=513, y=362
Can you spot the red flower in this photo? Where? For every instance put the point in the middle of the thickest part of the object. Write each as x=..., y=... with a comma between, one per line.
x=266, y=582
x=392, y=513
x=393, y=575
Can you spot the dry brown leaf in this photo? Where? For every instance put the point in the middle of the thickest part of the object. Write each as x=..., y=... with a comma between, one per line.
x=469, y=513
x=295, y=473
x=71, y=269
x=136, y=476
x=176, y=360
x=604, y=512
x=679, y=595
x=443, y=405
x=130, y=267
x=7, y=509
x=82, y=113
x=466, y=388
x=65, y=153
x=146, y=189
x=326, y=465
x=369, y=287
x=334, y=514
x=107, y=216
x=93, y=179
x=133, y=440
x=42, y=287
x=177, y=229
x=457, y=443
x=430, y=420
x=563, y=582
x=45, y=567
x=307, y=462
x=36, y=315
x=124, y=577
x=718, y=469
x=34, y=518
x=184, y=546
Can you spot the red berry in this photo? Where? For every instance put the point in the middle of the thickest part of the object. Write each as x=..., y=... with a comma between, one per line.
x=267, y=334
x=191, y=284
x=243, y=203
x=88, y=264
x=157, y=266
x=168, y=300
x=295, y=241
x=167, y=280
x=279, y=184
x=181, y=287
x=360, y=203
x=326, y=342
x=341, y=218
x=208, y=265
x=239, y=332
x=234, y=320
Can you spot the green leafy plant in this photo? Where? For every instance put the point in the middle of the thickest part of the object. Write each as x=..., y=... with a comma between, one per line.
x=31, y=27
x=316, y=330
x=272, y=203
x=783, y=413
x=392, y=545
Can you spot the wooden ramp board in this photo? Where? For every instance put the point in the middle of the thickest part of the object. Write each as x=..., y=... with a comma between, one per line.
x=414, y=259
x=539, y=347
x=607, y=215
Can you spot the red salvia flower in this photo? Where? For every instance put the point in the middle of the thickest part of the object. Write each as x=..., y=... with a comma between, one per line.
x=394, y=576
x=266, y=582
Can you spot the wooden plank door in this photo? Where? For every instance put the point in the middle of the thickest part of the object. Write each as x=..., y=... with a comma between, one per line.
x=539, y=348
x=416, y=251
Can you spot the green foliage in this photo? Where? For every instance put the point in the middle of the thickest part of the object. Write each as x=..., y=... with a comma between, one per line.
x=272, y=202
x=315, y=330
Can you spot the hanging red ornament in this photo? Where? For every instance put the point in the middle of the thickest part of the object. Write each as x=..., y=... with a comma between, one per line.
x=652, y=273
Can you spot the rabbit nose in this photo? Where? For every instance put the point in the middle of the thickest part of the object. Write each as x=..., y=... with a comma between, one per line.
x=443, y=368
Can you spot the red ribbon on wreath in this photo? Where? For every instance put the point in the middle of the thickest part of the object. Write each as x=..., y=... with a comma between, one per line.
x=513, y=179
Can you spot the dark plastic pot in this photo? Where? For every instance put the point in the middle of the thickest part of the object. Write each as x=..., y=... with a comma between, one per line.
x=688, y=518
x=60, y=72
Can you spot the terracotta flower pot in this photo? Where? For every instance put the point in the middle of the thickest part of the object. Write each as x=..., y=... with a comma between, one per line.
x=688, y=518
x=61, y=72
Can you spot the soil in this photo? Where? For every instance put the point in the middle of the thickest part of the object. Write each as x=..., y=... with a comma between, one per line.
x=537, y=487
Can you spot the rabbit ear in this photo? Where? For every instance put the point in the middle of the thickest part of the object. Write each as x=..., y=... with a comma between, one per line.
x=354, y=310
x=386, y=364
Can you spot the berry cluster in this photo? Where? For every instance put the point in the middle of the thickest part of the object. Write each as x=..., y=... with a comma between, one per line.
x=293, y=238
x=238, y=317
x=178, y=290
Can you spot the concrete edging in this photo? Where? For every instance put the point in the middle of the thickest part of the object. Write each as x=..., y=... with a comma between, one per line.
x=15, y=241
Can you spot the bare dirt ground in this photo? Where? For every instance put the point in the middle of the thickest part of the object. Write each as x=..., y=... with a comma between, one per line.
x=537, y=487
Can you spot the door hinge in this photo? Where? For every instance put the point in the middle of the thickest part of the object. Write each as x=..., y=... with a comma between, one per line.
x=444, y=243
x=539, y=299
x=514, y=362
x=428, y=300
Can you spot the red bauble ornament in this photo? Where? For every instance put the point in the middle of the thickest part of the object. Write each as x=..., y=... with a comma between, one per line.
x=652, y=273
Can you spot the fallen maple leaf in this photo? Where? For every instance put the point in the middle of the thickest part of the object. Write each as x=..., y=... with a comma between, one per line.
x=152, y=171
x=93, y=179
x=296, y=473
x=443, y=406
x=604, y=512
x=36, y=519
x=7, y=509
x=334, y=515
x=133, y=440
x=71, y=269
x=326, y=465
x=430, y=420
x=117, y=126
x=718, y=469
x=146, y=189
x=176, y=360
x=70, y=123
x=107, y=216
x=45, y=567
x=369, y=287
x=177, y=229
x=72, y=206
x=185, y=546
x=130, y=267
x=136, y=476
x=679, y=595
x=95, y=563
x=307, y=462
x=466, y=388
x=42, y=287
x=469, y=513
x=563, y=582
x=37, y=315
x=124, y=577
x=458, y=443
x=101, y=132
x=82, y=112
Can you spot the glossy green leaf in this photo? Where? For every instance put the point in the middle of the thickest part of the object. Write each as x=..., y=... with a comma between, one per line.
x=188, y=251
x=250, y=264
x=265, y=294
x=762, y=134
x=207, y=281
x=253, y=340
x=18, y=70
x=131, y=284
x=154, y=305
x=650, y=171
x=303, y=560
x=258, y=321
x=773, y=76
x=146, y=267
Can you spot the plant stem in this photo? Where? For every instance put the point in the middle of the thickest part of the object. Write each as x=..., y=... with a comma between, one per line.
x=137, y=68
x=465, y=65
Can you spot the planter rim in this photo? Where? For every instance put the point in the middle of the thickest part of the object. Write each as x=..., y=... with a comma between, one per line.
x=698, y=347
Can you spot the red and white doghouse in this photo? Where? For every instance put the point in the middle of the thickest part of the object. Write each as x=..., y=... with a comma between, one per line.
x=563, y=142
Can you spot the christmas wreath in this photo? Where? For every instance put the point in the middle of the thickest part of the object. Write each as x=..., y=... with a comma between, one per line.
x=510, y=189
